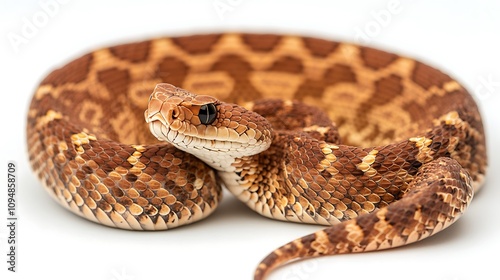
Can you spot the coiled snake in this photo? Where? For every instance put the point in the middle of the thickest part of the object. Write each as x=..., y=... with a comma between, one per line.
x=383, y=148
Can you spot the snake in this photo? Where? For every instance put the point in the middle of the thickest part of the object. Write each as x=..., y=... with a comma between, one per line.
x=382, y=149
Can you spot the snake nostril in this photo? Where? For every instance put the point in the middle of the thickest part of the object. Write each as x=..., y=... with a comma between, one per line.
x=175, y=113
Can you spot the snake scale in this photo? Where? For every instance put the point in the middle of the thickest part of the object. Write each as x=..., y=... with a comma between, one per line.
x=383, y=149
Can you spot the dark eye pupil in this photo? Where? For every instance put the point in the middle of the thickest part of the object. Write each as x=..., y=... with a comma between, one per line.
x=207, y=113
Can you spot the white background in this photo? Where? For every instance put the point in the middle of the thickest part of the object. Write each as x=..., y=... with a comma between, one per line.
x=459, y=37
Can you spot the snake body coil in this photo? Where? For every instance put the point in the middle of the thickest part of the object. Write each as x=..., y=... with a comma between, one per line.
x=382, y=148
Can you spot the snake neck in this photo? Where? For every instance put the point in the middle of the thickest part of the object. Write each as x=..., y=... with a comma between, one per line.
x=222, y=162
x=235, y=162
x=254, y=179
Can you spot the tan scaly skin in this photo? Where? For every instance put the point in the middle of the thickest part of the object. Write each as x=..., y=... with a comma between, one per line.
x=254, y=160
x=400, y=161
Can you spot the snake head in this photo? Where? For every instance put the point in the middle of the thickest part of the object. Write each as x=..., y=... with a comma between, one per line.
x=216, y=132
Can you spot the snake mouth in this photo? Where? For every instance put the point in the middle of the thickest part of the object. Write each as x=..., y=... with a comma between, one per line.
x=202, y=137
x=217, y=150
x=158, y=128
x=167, y=123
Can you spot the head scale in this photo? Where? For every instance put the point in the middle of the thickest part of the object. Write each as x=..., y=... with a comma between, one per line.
x=214, y=131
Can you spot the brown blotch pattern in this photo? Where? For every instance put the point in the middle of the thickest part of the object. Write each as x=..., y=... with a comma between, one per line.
x=196, y=44
x=137, y=52
x=287, y=64
x=172, y=70
x=376, y=59
x=261, y=42
x=427, y=76
x=319, y=47
x=238, y=69
x=115, y=80
x=73, y=72
x=339, y=73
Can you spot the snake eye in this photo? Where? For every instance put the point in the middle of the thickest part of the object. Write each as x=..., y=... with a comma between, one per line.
x=207, y=113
